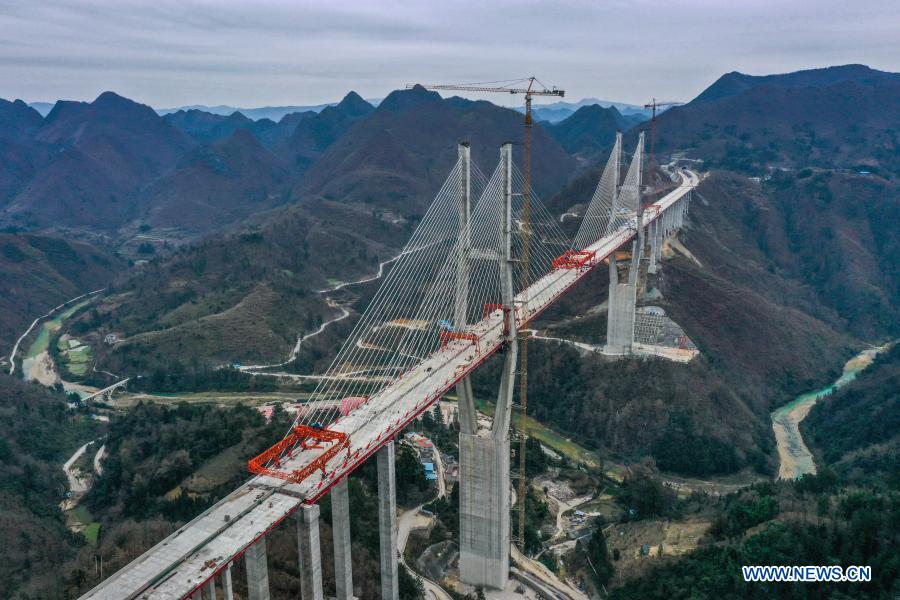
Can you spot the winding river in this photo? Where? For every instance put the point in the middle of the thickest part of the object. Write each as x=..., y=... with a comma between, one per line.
x=795, y=459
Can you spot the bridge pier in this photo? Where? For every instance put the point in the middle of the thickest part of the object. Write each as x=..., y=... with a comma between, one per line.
x=483, y=511
x=484, y=497
x=340, y=528
x=308, y=549
x=620, y=312
x=484, y=459
x=387, y=520
x=257, y=570
x=653, y=234
x=227, y=586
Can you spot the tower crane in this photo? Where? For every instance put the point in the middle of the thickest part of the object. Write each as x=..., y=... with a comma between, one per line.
x=530, y=87
x=653, y=105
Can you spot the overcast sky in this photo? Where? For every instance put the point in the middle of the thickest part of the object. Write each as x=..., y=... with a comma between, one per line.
x=177, y=52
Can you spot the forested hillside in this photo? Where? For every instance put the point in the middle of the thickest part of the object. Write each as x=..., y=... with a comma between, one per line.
x=848, y=514
x=845, y=116
x=857, y=429
x=40, y=272
x=242, y=296
x=37, y=433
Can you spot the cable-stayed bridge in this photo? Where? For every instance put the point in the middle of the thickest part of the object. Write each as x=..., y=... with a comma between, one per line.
x=450, y=302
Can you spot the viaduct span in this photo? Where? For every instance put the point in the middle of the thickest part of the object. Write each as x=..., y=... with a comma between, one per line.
x=449, y=303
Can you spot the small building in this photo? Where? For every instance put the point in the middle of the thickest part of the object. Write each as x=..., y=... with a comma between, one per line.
x=110, y=339
x=266, y=412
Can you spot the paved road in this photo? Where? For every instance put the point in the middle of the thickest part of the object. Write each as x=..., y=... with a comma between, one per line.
x=545, y=577
x=409, y=520
x=331, y=303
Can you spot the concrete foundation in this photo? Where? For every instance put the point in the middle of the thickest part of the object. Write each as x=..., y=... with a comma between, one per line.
x=308, y=549
x=257, y=571
x=484, y=511
x=387, y=521
x=340, y=527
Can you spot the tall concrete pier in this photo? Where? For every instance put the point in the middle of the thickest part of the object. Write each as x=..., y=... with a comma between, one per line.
x=340, y=527
x=387, y=520
x=309, y=552
x=484, y=511
x=257, y=570
x=620, y=317
x=484, y=457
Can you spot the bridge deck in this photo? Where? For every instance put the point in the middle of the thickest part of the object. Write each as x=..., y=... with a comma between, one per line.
x=181, y=563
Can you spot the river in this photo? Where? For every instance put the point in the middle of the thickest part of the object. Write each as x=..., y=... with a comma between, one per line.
x=795, y=459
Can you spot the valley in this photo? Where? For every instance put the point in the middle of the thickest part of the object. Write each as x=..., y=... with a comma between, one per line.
x=221, y=261
x=795, y=459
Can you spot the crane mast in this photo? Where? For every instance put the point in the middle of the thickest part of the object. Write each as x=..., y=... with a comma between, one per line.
x=653, y=105
x=529, y=90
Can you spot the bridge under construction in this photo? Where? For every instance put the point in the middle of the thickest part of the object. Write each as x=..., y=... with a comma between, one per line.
x=449, y=303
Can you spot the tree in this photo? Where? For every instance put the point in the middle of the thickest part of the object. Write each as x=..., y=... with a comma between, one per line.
x=412, y=486
x=410, y=587
x=598, y=556
x=535, y=459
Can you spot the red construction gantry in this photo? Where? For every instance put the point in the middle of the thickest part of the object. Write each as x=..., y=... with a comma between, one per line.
x=573, y=259
x=489, y=308
x=449, y=336
x=307, y=438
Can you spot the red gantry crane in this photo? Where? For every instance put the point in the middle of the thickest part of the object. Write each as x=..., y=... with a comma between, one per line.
x=530, y=87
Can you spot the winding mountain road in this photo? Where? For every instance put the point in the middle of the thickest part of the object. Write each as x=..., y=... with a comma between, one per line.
x=331, y=302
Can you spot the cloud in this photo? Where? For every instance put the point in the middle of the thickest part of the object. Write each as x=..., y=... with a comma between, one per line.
x=168, y=53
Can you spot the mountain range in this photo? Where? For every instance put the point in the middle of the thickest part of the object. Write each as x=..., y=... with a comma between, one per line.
x=838, y=116
x=589, y=130
x=555, y=112
x=552, y=112
x=115, y=168
x=782, y=276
